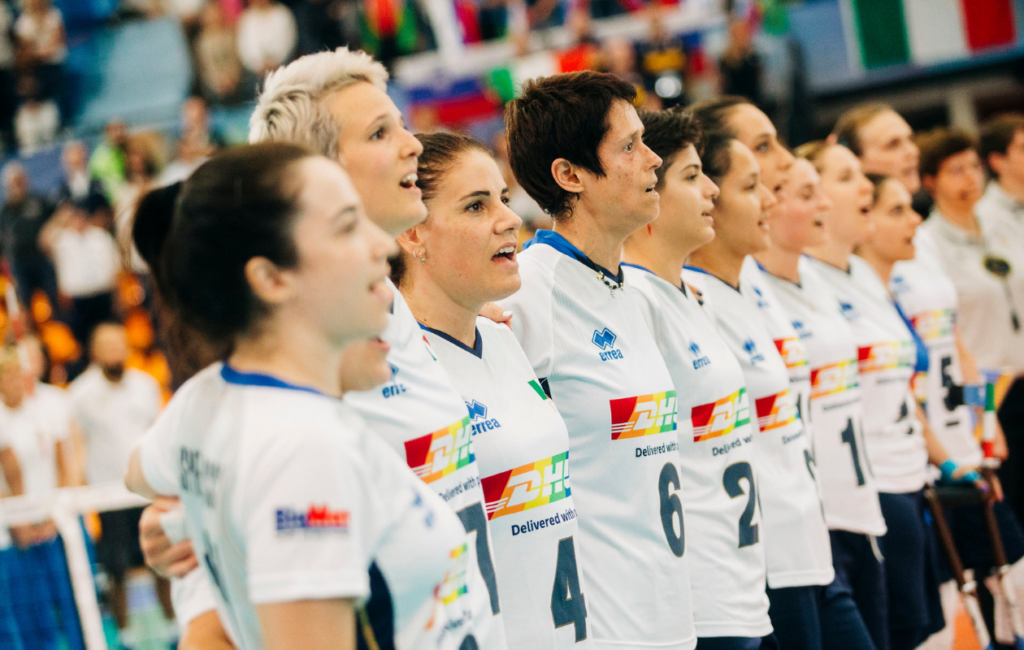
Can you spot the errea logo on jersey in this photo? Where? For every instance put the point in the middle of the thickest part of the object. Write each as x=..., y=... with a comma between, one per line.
x=700, y=360
x=761, y=302
x=885, y=356
x=318, y=518
x=833, y=378
x=605, y=340
x=644, y=415
x=526, y=487
x=478, y=415
x=393, y=387
x=849, y=311
x=442, y=452
x=792, y=352
x=720, y=417
x=751, y=348
x=775, y=411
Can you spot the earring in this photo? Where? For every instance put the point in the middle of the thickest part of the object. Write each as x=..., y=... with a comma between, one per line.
x=423, y=257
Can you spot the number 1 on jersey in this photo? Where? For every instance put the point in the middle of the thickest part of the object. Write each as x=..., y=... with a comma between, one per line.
x=850, y=438
x=473, y=518
x=567, y=602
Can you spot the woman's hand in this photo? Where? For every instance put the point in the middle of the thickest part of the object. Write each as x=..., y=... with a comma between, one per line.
x=167, y=559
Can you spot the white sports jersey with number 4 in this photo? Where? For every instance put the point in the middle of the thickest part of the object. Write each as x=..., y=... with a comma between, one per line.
x=886, y=355
x=424, y=418
x=848, y=489
x=522, y=447
x=928, y=299
x=289, y=496
x=604, y=372
x=723, y=520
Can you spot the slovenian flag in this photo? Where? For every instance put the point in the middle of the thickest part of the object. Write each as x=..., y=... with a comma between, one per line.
x=922, y=32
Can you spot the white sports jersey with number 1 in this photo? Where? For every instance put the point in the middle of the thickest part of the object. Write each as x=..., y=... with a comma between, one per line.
x=797, y=545
x=522, y=447
x=424, y=418
x=591, y=346
x=928, y=298
x=886, y=355
x=720, y=494
x=847, y=485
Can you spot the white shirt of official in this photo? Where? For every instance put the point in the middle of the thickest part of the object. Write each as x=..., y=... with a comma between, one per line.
x=424, y=418
x=289, y=496
x=848, y=490
x=927, y=297
x=86, y=262
x=32, y=430
x=113, y=417
x=522, y=447
x=723, y=519
x=998, y=204
x=985, y=313
x=886, y=357
x=606, y=376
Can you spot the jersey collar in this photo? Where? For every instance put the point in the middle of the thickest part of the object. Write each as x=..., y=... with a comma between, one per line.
x=240, y=378
x=681, y=287
x=478, y=347
x=564, y=246
x=707, y=273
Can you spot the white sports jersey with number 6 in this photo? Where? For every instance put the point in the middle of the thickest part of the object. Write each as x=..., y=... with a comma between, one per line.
x=522, y=447
x=290, y=497
x=424, y=418
x=720, y=494
x=592, y=348
x=886, y=355
x=847, y=485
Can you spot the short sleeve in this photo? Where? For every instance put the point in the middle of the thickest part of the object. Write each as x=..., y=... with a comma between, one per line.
x=157, y=451
x=192, y=596
x=531, y=314
x=306, y=515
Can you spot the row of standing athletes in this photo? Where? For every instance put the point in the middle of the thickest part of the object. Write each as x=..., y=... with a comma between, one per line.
x=746, y=446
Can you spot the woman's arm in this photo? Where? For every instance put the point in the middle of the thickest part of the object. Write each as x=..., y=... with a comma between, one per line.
x=12, y=471
x=134, y=479
x=205, y=632
x=302, y=624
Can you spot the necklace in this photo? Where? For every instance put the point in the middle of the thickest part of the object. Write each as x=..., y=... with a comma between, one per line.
x=611, y=286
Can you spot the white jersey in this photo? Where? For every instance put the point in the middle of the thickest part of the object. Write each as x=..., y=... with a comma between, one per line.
x=928, y=299
x=886, y=356
x=522, y=447
x=421, y=415
x=289, y=496
x=32, y=431
x=592, y=349
x=844, y=474
x=720, y=494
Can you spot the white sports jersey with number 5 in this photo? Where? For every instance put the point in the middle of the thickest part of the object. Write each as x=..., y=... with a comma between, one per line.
x=847, y=485
x=606, y=376
x=522, y=447
x=289, y=497
x=886, y=355
x=424, y=418
x=723, y=520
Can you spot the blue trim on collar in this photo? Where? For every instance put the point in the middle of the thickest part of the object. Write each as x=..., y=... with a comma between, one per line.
x=478, y=347
x=708, y=273
x=564, y=246
x=681, y=287
x=240, y=378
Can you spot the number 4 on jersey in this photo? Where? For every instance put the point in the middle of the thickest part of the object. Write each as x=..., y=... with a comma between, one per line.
x=567, y=602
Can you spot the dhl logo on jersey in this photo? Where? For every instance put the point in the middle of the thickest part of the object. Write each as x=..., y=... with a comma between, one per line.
x=932, y=325
x=833, y=378
x=885, y=356
x=775, y=411
x=454, y=585
x=643, y=415
x=442, y=452
x=529, y=486
x=720, y=417
x=792, y=352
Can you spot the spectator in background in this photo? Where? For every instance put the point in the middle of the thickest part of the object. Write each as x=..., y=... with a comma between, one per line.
x=42, y=43
x=143, y=167
x=267, y=36
x=22, y=218
x=741, y=65
x=108, y=162
x=195, y=127
x=8, y=97
x=38, y=118
x=217, y=64
x=113, y=406
x=1002, y=151
x=77, y=184
x=87, y=262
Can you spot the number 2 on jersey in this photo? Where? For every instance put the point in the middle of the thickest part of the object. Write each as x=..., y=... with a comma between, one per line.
x=731, y=482
x=568, y=606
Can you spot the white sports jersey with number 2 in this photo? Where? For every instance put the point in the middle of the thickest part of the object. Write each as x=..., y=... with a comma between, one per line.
x=424, y=418
x=847, y=484
x=522, y=447
x=719, y=491
x=289, y=497
x=607, y=378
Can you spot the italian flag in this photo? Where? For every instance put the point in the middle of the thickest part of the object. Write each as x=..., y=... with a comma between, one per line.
x=896, y=32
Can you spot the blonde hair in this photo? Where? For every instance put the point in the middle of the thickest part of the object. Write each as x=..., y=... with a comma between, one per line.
x=292, y=106
x=9, y=357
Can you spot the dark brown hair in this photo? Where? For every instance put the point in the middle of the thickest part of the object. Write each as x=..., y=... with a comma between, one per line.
x=997, y=134
x=878, y=181
x=939, y=144
x=561, y=116
x=849, y=124
x=717, y=154
x=669, y=132
x=713, y=114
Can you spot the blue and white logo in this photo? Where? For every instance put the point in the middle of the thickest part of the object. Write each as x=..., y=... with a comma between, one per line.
x=761, y=302
x=700, y=360
x=849, y=311
x=801, y=331
x=394, y=387
x=751, y=348
x=604, y=339
x=478, y=414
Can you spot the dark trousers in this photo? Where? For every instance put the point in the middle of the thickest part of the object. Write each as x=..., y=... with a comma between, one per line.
x=88, y=312
x=32, y=272
x=860, y=573
x=818, y=617
x=42, y=599
x=1011, y=473
x=10, y=637
x=738, y=643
